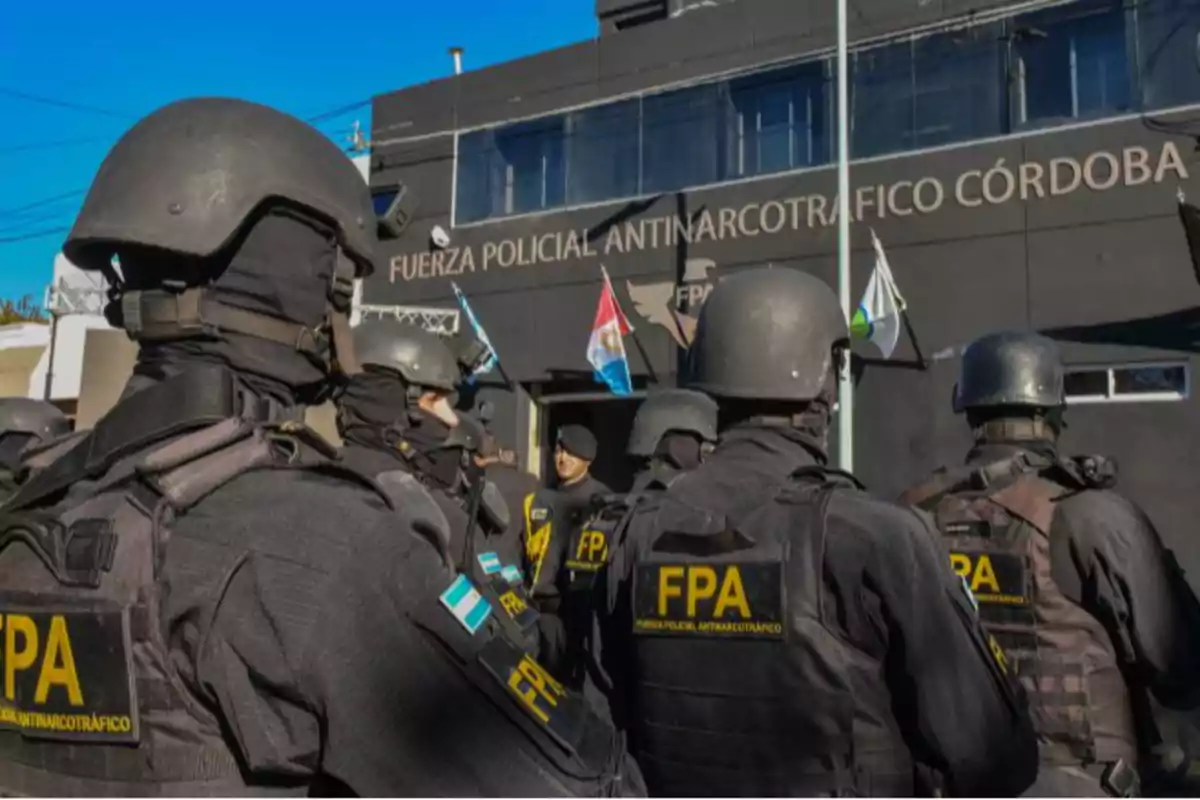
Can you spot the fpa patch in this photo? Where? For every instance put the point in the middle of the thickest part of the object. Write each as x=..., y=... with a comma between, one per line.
x=993, y=578
x=512, y=574
x=738, y=600
x=466, y=604
x=68, y=673
x=515, y=601
x=589, y=551
x=559, y=710
x=490, y=562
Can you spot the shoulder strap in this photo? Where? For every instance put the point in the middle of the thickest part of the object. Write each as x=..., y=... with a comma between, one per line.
x=928, y=494
x=816, y=473
x=1031, y=498
x=196, y=399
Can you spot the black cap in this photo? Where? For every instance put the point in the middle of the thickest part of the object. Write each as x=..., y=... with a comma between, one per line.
x=578, y=441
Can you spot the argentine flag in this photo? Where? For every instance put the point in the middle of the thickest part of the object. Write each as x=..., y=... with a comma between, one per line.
x=466, y=604
x=877, y=318
x=606, y=348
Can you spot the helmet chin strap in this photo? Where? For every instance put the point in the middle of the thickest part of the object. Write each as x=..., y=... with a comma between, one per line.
x=1015, y=430
x=177, y=311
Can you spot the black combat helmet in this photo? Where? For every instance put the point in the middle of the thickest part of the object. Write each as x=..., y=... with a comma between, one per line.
x=766, y=334
x=1010, y=369
x=671, y=410
x=185, y=181
x=421, y=357
x=37, y=418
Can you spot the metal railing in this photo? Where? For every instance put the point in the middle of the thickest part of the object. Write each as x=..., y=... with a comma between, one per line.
x=62, y=298
x=442, y=321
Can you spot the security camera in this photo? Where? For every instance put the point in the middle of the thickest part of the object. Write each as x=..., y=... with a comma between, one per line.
x=439, y=237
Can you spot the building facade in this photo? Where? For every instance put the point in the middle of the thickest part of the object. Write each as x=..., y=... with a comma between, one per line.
x=1020, y=163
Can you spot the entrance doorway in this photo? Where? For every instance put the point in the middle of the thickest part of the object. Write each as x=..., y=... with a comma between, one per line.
x=608, y=418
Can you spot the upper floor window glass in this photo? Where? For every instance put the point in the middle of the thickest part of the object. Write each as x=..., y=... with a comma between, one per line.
x=1070, y=62
x=779, y=120
x=682, y=133
x=603, y=152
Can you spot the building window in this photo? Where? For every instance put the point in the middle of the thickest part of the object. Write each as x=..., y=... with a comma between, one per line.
x=533, y=176
x=1168, y=48
x=511, y=170
x=1070, y=62
x=1128, y=383
x=881, y=100
x=779, y=120
x=957, y=86
x=681, y=138
x=603, y=155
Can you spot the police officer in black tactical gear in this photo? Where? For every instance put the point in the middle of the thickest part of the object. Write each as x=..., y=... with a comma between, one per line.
x=397, y=421
x=1070, y=577
x=553, y=518
x=398, y=426
x=26, y=426
x=197, y=599
x=672, y=431
x=789, y=635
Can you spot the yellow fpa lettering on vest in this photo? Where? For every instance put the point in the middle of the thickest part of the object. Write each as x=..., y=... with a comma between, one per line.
x=591, y=551
x=998, y=654
x=513, y=604
x=55, y=663
x=743, y=599
x=536, y=688
x=994, y=578
x=66, y=674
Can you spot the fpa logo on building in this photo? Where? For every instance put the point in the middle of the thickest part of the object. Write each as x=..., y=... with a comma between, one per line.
x=676, y=306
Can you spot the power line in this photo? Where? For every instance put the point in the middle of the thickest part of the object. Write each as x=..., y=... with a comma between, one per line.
x=50, y=101
x=337, y=112
x=33, y=235
x=20, y=148
x=45, y=201
x=26, y=222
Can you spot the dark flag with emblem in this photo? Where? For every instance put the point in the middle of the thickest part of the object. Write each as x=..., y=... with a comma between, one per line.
x=1189, y=215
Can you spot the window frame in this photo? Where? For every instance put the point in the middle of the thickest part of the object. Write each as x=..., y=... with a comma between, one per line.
x=1113, y=396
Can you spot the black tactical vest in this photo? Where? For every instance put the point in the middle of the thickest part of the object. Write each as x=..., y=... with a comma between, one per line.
x=91, y=704
x=740, y=686
x=996, y=520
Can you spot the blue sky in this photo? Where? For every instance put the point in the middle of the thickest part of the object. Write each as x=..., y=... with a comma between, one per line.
x=128, y=57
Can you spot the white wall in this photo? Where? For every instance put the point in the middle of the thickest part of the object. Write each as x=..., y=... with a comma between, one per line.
x=72, y=331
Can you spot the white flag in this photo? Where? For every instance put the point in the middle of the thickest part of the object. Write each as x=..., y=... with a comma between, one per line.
x=877, y=317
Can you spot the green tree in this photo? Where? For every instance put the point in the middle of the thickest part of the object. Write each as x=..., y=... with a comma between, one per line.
x=24, y=310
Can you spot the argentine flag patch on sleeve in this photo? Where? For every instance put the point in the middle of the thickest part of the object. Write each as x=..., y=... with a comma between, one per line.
x=466, y=604
x=511, y=574
x=490, y=563
x=970, y=595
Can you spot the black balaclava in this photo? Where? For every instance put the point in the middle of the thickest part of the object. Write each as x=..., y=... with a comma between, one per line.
x=679, y=450
x=805, y=423
x=281, y=265
x=11, y=445
x=375, y=411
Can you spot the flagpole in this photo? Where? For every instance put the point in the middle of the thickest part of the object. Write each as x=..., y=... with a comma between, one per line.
x=845, y=380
